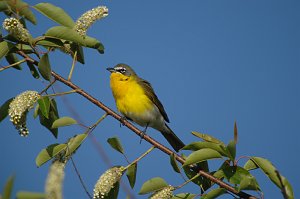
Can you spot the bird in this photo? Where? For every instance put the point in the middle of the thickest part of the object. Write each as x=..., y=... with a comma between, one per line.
x=136, y=100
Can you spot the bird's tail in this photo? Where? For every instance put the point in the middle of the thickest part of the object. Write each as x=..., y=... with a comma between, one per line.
x=171, y=137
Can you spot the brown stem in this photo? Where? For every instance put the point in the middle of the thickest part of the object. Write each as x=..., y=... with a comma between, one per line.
x=139, y=132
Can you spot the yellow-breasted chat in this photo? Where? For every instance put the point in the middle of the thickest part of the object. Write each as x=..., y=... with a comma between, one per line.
x=136, y=100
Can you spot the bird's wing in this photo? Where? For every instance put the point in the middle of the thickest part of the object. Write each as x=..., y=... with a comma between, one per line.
x=152, y=96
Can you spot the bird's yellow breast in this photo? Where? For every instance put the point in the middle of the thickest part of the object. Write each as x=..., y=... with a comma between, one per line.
x=129, y=95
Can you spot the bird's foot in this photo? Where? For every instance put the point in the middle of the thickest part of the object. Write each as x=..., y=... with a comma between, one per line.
x=142, y=135
x=122, y=120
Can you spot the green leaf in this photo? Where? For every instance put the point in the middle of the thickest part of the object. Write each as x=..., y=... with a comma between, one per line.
x=55, y=13
x=44, y=106
x=201, y=155
x=231, y=148
x=8, y=187
x=63, y=121
x=44, y=67
x=250, y=165
x=36, y=111
x=208, y=138
x=194, y=146
x=69, y=34
x=74, y=143
x=53, y=115
x=30, y=195
x=33, y=70
x=50, y=42
x=5, y=48
x=4, y=109
x=131, y=174
x=115, y=143
x=248, y=182
x=174, y=163
x=3, y=6
x=80, y=55
x=48, y=153
x=214, y=193
x=184, y=196
x=280, y=181
x=153, y=185
x=18, y=6
x=235, y=133
x=11, y=58
x=65, y=33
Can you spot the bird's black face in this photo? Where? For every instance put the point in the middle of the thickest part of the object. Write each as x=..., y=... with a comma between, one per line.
x=122, y=69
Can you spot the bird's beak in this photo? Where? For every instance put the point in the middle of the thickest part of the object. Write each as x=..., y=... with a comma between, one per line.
x=111, y=70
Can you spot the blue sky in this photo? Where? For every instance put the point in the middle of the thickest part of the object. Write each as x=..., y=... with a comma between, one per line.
x=210, y=63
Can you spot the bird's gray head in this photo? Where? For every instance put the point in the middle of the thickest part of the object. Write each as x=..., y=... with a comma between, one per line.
x=123, y=69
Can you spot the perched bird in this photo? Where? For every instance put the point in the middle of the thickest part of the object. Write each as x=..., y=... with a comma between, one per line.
x=137, y=101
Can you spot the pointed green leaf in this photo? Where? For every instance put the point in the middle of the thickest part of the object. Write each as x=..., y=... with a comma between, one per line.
x=50, y=42
x=131, y=174
x=18, y=6
x=48, y=153
x=53, y=115
x=92, y=42
x=115, y=143
x=153, y=185
x=36, y=111
x=4, y=48
x=208, y=138
x=184, y=196
x=4, y=109
x=8, y=187
x=30, y=195
x=11, y=58
x=74, y=143
x=214, y=193
x=201, y=155
x=250, y=165
x=55, y=13
x=174, y=163
x=267, y=167
x=80, y=55
x=231, y=148
x=44, y=67
x=63, y=121
x=33, y=70
x=235, y=133
x=44, y=106
x=194, y=146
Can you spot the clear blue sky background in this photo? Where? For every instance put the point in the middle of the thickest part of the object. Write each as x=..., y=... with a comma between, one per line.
x=210, y=63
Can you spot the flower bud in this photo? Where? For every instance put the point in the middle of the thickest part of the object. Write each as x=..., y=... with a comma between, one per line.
x=165, y=193
x=107, y=181
x=87, y=19
x=19, y=108
x=15, y=28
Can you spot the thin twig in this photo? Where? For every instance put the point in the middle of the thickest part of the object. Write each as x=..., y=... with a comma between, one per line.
x=81, y=181
x=11, y=65
x=73, y=66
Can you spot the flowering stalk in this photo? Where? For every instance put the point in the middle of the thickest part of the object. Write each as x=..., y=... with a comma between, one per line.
x=87, y=19
x=165, y=193
x=15, y=28
x=19, y=108
x=107, y=181
x=55, y=178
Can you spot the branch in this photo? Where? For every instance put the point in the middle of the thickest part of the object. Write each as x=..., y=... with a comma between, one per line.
x=137, y=131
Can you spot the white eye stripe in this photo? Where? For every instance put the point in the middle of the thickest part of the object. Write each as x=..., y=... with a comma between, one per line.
x=120, y=69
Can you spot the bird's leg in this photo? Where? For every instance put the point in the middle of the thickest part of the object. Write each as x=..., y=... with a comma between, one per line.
x=143, y=133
